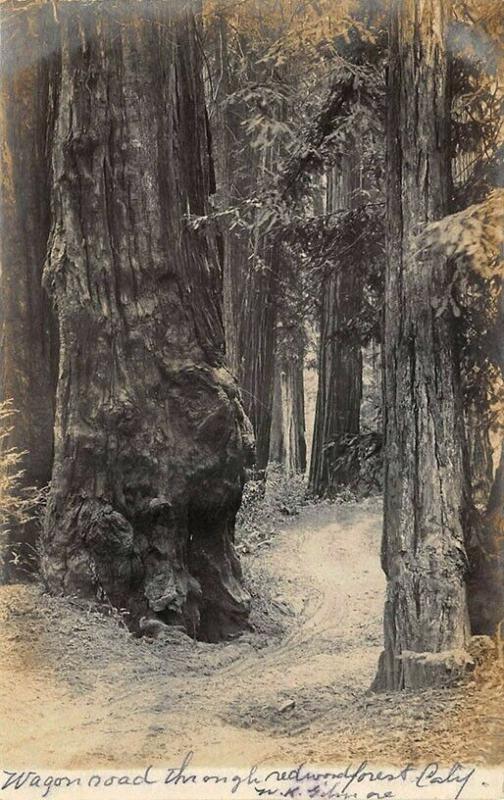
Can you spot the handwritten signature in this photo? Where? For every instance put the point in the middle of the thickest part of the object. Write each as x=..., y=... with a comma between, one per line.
x=353, y=783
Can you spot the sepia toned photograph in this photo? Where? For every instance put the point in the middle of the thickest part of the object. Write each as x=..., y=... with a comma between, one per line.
x=251, y=399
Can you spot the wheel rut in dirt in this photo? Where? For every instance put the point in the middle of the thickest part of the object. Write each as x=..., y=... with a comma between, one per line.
x=103, y=697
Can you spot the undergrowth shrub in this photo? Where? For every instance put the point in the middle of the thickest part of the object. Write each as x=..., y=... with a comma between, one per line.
x=267, y=501
x=362, y=456
x=19, y=504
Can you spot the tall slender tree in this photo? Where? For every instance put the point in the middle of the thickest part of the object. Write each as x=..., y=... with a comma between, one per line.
x=234, y=180
x=150, y=435
x=287, y=446
x=340, y=360
x=257, y=342
x=242, y=168
x=423, y=552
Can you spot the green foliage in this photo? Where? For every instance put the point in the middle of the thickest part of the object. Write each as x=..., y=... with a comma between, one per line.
x=353, y=104
x=304, y=83
x=266, y=503
x=16, y=501
x=361, y=454
x=472, y=239
x=306, y=86
x=474, y=235
x=347, y=239
x=19, y=504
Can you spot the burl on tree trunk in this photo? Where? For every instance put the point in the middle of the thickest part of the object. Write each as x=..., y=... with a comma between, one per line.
x=150, y=438
x=423, y=553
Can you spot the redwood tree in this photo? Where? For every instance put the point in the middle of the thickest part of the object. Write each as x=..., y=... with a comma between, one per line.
x=28, y=336
x=287, y=446
x=257, y=344
x=423, y=551
x=235, y=180
x=340, y=360
x=249, y=104
x=150, y=435
x=287, y=438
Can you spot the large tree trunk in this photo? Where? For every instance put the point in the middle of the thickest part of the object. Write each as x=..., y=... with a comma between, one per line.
x=27, y=337
x=150, y=436
x=423, y=551
x=337, y=414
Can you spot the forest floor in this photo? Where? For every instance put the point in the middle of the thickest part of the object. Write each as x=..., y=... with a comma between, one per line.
x=78, y=691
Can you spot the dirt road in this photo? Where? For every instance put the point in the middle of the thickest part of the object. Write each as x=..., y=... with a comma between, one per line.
x=78, y=690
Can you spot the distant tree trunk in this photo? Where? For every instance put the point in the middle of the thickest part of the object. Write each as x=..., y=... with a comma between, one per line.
x=423, y=551
x=258, y=327
x=287, y=439
x=150, y=436
x=371, y=464
x=339, y=394
x=257, y=349
x=27, y=334
x=248, y=258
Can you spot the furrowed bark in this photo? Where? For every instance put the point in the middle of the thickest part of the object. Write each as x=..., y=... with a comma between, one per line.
x=257, y=349
x=28, y=341
x=223, y=135
x=150, y=437
x=423, y=552
x=339, y=393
